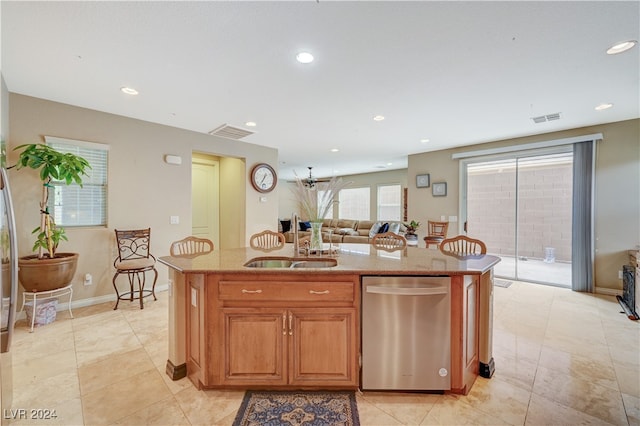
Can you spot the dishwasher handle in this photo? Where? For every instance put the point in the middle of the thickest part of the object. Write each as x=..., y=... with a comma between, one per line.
x=407, y=291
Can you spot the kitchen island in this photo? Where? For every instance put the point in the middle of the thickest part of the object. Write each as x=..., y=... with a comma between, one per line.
x=291, y=324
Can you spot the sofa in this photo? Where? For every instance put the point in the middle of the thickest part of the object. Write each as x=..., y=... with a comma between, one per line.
x=344, y=230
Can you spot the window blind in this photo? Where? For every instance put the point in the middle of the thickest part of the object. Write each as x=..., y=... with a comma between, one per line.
x=73, y=205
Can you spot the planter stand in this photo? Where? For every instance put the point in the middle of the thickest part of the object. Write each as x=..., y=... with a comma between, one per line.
x=33, y=296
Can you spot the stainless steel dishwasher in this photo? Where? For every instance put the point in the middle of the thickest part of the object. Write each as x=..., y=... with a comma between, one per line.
x=406, y=333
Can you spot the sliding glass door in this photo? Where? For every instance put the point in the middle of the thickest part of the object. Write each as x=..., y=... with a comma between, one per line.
x=520, y=205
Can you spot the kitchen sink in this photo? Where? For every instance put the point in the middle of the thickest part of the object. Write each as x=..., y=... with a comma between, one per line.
x=315, y=263
x=279, y=262
x=269, y=263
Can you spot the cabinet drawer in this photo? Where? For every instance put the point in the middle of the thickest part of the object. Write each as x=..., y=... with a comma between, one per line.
x=286, y=291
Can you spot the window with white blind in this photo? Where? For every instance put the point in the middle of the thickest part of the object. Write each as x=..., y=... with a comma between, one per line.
x=354, y=203
x=389, y=202
x=73, y=205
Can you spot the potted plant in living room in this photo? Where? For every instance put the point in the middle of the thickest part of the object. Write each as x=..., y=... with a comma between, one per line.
x=48, y=269
x=410, y=234
x=314, y=202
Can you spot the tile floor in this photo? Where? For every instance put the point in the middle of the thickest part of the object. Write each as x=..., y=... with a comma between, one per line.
x=561, y=358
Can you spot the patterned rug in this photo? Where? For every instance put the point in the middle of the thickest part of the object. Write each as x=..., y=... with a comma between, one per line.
x=298, y=408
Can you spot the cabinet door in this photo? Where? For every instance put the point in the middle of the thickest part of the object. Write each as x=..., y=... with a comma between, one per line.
x=253, y=345
x=195, y=338
x=323, y=346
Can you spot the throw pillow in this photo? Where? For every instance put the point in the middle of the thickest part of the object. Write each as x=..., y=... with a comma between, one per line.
x=305, y=225
x=345, y=231
x=394, y=227
x=384, y=228
x=286, y=225
x=374, y=229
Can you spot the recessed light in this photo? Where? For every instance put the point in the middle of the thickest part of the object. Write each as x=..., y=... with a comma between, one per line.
x=334, y=150
x=424, y=140
x=129, y=90
x=304, y=57
x=602, y=107
x=378, y=118
x=389, y=164
x=621, y=47
x=250, y=124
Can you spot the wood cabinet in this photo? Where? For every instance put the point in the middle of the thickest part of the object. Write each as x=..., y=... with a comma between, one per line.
x=281, y=331
x=301, y=346
x=276, y=331
x=465, y=314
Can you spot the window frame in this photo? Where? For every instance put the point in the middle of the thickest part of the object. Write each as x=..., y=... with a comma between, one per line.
x=378, y=203
x=88, y=186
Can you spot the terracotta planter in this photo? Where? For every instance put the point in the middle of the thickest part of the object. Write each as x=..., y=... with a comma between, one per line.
x=47, y=274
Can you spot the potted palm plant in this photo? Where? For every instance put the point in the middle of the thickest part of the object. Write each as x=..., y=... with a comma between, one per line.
x=48, y=269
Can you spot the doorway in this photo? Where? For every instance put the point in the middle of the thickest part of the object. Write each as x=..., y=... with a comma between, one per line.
x=205, y=197
x=520, y=205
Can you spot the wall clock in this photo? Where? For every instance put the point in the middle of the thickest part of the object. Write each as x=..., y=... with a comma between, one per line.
x=263, y=177
x=422, y=181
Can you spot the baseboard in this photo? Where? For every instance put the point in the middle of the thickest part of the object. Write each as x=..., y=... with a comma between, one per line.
x=487, y=370
x=90, y=301
x=176, y=372
x=608, y=291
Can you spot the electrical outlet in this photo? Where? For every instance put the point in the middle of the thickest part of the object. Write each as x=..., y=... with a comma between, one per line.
x=88, y=279
x=619, y=275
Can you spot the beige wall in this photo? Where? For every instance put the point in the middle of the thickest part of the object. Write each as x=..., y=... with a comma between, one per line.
x=143, y=189
x=4, y=111
x=617, y=191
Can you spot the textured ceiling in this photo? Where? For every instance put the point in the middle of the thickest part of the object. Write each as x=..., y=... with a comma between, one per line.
x=457, y=73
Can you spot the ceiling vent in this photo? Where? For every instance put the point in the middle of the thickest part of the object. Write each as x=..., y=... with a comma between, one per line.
x=230, y=132
x=545, y=118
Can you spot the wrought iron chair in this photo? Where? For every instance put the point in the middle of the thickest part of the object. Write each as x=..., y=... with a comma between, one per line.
x=389, y=241
x=191, y=247
x=134, y=260
x=267, y=240
x=436, y=232
x=462, y=245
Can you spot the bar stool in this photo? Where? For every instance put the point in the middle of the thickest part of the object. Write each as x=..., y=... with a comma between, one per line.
x=436, y=232
x=191, y=247
x=267, y=240
x=134, y=260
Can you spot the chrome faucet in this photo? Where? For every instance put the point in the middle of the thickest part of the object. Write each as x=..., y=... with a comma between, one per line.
x=296, y=243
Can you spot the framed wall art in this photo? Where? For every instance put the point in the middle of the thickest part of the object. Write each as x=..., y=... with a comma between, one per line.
x=439, y=189
x=422, y=181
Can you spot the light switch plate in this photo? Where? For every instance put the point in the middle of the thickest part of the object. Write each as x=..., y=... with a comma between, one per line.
x=175, y=220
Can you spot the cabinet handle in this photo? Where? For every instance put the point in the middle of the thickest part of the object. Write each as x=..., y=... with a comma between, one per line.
x=251, y=291
x=284, y=324
x=290, y=329
x=318, y=292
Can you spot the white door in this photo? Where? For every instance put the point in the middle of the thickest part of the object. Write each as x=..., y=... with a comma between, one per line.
x=205, y=199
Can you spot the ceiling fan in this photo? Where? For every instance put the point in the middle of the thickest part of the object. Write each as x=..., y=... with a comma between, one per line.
x=310, y=182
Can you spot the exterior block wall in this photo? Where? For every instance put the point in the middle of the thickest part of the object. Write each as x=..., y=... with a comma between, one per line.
x=543, y=210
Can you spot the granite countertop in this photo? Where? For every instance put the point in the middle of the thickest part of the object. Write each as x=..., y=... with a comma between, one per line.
x=362, y=259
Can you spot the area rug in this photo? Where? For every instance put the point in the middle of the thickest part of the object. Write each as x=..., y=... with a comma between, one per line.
x=502, y=283
x=298, y=408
